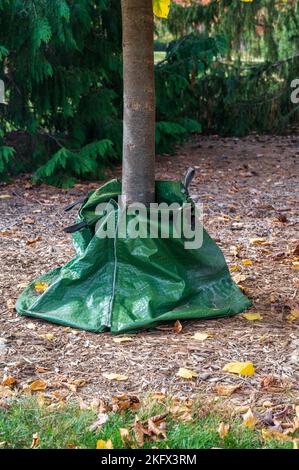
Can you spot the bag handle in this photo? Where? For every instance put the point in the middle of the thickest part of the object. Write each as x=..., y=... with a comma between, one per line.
x=189, y=175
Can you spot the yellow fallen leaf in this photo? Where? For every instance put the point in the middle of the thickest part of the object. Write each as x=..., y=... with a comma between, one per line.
x=5, y=196
x=294, y=315
x=247, y=262
x=123, y=339
x=249, y=420
x=295, y=264
x=186, y=373
x=252, y=316
x=234, y=268
x=200, y=336
x=48, y=336
x=37, y=385
x=242, y=368
x=104, y=444
x=113, y=376
x=41, y=287
x=223, y=430
x=161, y=8
x=226, y=390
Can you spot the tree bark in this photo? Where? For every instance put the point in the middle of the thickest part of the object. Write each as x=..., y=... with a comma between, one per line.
x=138, y=175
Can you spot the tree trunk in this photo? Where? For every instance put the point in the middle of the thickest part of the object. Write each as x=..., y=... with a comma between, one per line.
x=138, y=176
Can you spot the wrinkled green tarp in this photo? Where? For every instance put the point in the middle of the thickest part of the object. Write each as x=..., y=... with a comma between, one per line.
x=128, y=284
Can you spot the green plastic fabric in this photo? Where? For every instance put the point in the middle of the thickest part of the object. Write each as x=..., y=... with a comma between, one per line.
x=124, y=284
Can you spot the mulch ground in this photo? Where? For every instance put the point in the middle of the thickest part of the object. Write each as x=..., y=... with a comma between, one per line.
x=248, y=187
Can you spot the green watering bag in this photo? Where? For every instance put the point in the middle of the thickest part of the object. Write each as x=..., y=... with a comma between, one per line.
x=122, y=284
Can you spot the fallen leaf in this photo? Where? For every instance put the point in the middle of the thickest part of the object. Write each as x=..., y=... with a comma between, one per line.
x=247, y=262
x=268, y=381
x=242, y=368
x=223, y=430
x=125, y=437
x=35, y=441
x=295, y=264
x=101, y=444
x=186, y=373
x=294, y=315
x=41, y=286
x=234, y=268
x=238, y=278
x=48, y=336
x=114, y=376
x=226, y=390
x=5, y=196
x=177, y=327
x=125, y=402
x=37, y=385
x=31, y=326
x=252, y=316
x=260, y=241
x=8, y=381
x=200, y=336
x=123, y=339
x=33, y=241
x=139, y=432
x=10, y=303
x=102, y=419
x=249, y=420
x=273, y=434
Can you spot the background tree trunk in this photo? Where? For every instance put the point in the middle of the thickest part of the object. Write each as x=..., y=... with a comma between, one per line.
x=138, y=177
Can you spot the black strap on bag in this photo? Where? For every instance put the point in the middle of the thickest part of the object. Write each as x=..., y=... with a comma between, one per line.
x=75, y=227
x=74, y=204
x=189, y=175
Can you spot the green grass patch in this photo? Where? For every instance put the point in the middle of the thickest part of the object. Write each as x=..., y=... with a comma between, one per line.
x=66, y=426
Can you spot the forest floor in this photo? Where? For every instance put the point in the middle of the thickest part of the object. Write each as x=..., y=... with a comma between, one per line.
x=248, y=187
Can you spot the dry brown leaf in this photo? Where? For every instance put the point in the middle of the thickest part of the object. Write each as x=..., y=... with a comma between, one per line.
x=8, y=381
x=125, y=437
x=260, y=241
x=10, y=303
x=295, y=264
x=33, y=241
x=273, y=434
x=223, y=430
x=35, y=441
x=238, y=278
x=177, y=327
x=125, y=402
x=139, y=432
x=114, y=376
x=226, y=390
x=37, y=385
